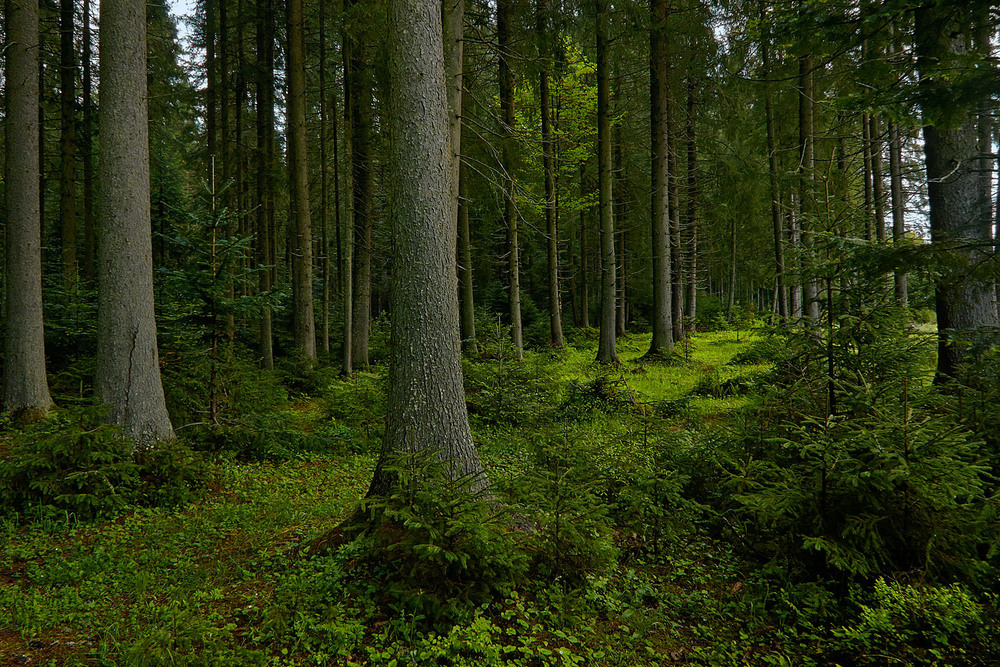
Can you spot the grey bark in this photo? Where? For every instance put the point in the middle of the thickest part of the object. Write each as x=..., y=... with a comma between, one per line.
x=878, y=186
x=548, y=167
x=959, y=220
x=363, y=186
x=606, y=352
x=67, y=151
x=898, y=206
x=265, y=171
x=453, y=14
x=128, y=372
x=507, y=124
x=426, y=401
x=663, y=330
x=26, y=390
x=691, y=302
x=87, y=146
x=778, y=231
x=302, y=314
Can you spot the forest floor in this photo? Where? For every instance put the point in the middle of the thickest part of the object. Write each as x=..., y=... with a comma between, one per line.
x=227, y=579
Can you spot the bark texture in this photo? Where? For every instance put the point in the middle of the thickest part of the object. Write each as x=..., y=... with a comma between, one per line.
x=128, y=372
x=507, y=121
x=426, y=402
x=363, y=187
x=26, y=389
x=265, y=173
x=663, y=328
x=959, y=219
x=606, y=350
x=304, y=324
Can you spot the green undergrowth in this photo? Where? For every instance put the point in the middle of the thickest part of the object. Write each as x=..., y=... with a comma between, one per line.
x=648, y=513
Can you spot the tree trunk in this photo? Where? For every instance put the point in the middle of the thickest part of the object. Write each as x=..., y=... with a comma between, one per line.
x=692, y=210
x=663, y=329
x=807, y=171
x=324, y=197
x=606, y=352
x=453, y=14
x=426, y=401
x=26, y=391
x=302, y=314
x=363, y=186
x=618, y=193
x=584, y=273
x=866, y=148
x=878, y=186
x=67, y=152
x=128, y=371
x=674, y=207
x=959, y=220
x=507, y=125
x=548, y=167
x=265, y=173
x=89, y=224
x=898, y=205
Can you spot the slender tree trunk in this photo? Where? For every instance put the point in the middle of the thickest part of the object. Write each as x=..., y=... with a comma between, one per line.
x=426, y=401
x=618, y=193
x=211, y=86
x=663, y=329
x=89, y=223
x=324, y=197
x=878, y=185
x=548, y=167
x=692, y=210
x=67, y=171
x=898, y=205
x=807, y=171
x=959, y=220
x=265, y=173
x=363, y=185
x=128, y=371
x=674, y=207
x=584, y=273
x=866, y=141
x=453, y=15
x=302, y=314
x=347, y=360
x=606, y=352
x=507, y=122
x=26, y=391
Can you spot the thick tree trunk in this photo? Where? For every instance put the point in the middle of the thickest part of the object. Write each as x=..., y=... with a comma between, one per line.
x=674, y=207
x=959, y=220
x=128, y=372
x=606, y=352
x=663, y=328
x=26, y=390
x=265, y=174
x=426, y=402
x=67, y=152
x=507, y=125
x=302, y=314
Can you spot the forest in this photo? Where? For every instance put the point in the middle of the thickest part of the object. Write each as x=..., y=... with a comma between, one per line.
x=500, y=332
